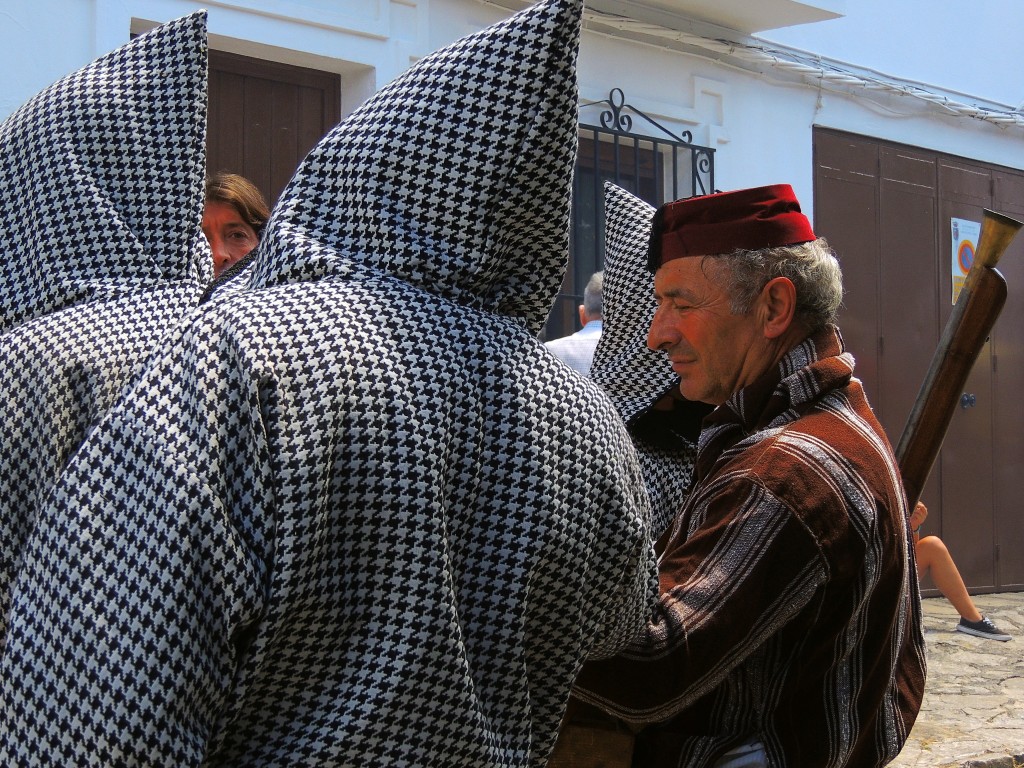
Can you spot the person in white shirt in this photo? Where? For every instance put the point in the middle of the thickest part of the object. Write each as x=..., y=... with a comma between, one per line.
x=577, y=350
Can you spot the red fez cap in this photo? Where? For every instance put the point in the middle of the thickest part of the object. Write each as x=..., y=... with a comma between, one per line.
x=747, y=219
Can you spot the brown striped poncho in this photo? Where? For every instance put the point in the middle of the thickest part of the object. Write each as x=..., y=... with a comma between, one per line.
x=789, y=609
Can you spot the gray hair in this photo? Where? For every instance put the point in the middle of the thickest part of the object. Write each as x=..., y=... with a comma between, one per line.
x=812, y=267
x=593, y=303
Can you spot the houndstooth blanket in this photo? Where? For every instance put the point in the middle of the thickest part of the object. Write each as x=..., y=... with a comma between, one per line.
x=352, y=513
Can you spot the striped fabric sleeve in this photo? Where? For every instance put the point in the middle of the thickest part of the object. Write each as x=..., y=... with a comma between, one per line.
x=748, y=567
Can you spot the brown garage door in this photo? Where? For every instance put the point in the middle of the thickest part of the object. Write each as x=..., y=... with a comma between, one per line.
x=887, y=211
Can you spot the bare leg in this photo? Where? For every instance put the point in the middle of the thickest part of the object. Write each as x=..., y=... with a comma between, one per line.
x=933, y=556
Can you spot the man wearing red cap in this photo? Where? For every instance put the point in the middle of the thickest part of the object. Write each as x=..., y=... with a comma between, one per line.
x=788, y=629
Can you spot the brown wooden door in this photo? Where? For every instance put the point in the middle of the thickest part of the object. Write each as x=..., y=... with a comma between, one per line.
x=1008, y=390
x=876, y=207
x=966, y=458
x=886, y=209
x=264, y=117
x=846, y=200
x=907, y=290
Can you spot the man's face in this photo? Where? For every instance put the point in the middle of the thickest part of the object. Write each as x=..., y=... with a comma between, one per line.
x=714, y=351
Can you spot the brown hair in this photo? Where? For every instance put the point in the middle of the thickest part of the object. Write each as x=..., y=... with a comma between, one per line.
x=238, y=191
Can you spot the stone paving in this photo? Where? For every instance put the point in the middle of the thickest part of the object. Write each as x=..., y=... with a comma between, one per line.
x=973, y=710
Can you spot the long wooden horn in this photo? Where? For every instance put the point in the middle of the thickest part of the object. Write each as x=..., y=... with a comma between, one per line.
x=977, y=307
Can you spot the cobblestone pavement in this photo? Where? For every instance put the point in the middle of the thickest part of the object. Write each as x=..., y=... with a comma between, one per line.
x=973, y=710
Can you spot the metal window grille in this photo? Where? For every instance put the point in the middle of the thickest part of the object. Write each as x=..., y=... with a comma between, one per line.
x=657, y=168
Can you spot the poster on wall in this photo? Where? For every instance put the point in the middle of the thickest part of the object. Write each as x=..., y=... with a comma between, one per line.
x=965, y=241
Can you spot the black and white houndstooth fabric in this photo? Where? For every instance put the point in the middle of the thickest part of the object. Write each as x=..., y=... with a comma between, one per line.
x=633, y=376
x=354, y=514
x=500, y=241
x=99, y=179
x=101, y=195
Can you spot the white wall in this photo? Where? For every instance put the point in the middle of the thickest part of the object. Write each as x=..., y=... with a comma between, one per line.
x=368, y=42
x=760, y=124
x=756, y=139
x=762, y=127
x=40, y=42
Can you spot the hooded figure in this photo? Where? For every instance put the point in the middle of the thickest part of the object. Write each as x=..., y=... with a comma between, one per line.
x=640, y=381
x=354, y=513
x=101, y=196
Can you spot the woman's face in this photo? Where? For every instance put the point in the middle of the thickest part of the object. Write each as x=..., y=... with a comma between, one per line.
x=229, y=234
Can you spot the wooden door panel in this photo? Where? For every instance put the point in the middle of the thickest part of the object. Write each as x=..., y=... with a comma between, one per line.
x=967, y=524
x=907, y=286
x=967, y=512
x=225, y=123
x=265, y=117
x=899, y=281
x=846, y=215
x=1008, y=420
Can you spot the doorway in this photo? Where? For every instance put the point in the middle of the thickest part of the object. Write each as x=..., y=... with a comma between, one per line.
x=887, y=210
x=264, y=117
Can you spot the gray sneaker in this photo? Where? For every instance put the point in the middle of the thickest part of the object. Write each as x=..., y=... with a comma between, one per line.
x=983, y=628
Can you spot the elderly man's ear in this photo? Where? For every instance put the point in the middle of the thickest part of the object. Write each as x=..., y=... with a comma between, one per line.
x=777, y=306
x=584, y=316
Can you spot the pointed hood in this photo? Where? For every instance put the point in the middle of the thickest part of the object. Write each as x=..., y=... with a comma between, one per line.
x=633, y=376
x=456, y=177
x=101, y=201
x=101, y=188
x=344, y=435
